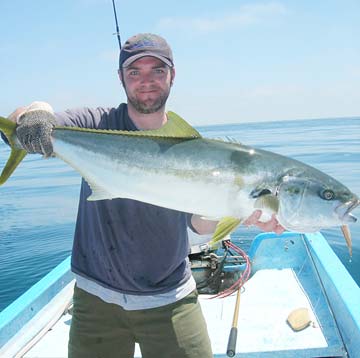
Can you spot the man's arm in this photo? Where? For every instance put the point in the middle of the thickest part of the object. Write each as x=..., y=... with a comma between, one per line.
x=203, y=226
x=36, y=122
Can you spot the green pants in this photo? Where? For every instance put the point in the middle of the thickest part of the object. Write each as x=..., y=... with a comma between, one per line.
x=105, y=330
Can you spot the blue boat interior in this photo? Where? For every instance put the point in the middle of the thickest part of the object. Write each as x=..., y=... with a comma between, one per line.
x=292, y=251
x=288, y=271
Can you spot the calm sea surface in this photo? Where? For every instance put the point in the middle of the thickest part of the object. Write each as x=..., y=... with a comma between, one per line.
x=39, y=202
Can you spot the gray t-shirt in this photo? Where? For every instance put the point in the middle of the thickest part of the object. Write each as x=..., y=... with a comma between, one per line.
x=122, y=244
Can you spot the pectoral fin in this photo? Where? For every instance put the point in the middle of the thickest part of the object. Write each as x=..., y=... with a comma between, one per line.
x=268, y=201
x=98, y=193
x=224, y=227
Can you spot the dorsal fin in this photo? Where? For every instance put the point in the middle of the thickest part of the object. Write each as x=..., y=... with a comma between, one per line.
x=175, y=127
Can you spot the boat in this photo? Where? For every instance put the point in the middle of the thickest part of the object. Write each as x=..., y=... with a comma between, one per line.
x=290, y=273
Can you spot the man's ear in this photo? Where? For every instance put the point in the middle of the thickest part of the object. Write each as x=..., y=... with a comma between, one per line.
x=120, y=76
x=172, y=74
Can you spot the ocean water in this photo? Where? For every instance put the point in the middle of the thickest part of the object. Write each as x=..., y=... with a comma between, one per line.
x=38, y=204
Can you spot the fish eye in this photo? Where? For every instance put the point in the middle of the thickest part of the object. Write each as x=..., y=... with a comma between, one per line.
x=327, y=194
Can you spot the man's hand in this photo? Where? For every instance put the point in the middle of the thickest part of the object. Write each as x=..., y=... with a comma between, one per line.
x=35, y=124
x=271, y=225
x=203, y=226
x=18, y=111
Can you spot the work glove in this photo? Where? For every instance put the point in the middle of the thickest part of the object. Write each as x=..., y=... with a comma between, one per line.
x=34, y=127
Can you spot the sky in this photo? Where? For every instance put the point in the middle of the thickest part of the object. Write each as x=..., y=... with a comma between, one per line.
x=236, y=61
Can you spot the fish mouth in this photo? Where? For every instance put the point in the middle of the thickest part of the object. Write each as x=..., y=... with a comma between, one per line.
x=344, y=210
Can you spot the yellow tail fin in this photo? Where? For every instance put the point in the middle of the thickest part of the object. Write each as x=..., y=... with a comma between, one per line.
x=17, y=154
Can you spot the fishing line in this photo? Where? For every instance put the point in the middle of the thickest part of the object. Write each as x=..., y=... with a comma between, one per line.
x=243, y=277
x=117, y=33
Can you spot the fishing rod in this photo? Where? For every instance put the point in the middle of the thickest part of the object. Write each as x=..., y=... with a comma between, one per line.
x=231, y=347
x=117, y=33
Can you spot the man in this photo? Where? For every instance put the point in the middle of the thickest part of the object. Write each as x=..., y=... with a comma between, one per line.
x=133, y=277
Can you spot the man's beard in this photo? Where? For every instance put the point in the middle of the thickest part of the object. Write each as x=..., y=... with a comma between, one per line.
x=153, y=106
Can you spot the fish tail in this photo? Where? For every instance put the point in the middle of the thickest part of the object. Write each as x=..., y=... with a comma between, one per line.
x=17, y=154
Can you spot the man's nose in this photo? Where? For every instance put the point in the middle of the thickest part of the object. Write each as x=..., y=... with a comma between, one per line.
x=147, y=77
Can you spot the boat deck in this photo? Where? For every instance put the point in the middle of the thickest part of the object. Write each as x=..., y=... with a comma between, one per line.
x=259, y=328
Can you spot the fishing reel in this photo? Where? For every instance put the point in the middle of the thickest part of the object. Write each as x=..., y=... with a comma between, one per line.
x=215, y=270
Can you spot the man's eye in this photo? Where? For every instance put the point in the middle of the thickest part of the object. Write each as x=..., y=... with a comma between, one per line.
x=159, y=70
x=133, y=73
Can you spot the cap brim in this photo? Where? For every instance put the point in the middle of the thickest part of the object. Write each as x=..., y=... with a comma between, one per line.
x=131, y=59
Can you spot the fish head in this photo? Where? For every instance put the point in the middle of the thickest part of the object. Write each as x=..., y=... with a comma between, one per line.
x=308, y=203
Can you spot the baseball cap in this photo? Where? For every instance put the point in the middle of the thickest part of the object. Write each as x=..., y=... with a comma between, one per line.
x=142, y=45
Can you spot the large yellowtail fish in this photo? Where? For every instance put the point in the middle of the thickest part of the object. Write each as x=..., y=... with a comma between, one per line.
x=175, y=167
